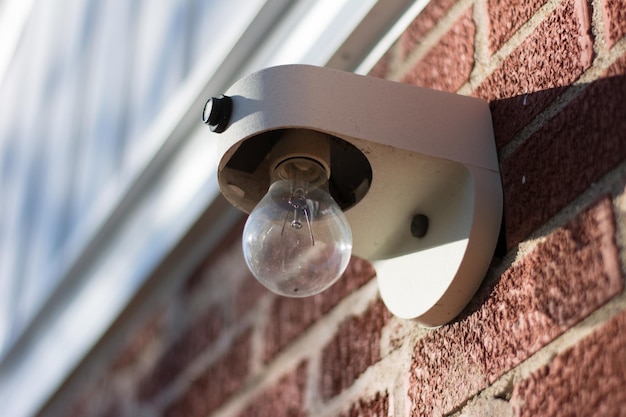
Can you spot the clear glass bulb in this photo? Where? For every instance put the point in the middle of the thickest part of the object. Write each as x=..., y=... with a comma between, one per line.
x=297, y=242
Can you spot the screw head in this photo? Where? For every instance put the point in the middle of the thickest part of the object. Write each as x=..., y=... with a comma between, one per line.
x=419, y=225
x=217, y=112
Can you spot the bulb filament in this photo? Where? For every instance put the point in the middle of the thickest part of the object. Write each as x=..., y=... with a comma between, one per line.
x=297, y=200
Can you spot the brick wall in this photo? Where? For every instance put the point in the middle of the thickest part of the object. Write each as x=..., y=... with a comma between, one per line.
x=545, y=334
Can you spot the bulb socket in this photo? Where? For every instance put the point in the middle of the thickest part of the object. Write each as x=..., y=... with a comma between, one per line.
x=300, y=144
x=247, y=170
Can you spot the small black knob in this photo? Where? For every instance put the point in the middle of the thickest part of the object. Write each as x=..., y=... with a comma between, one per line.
x=419, y=225
x=217, y=112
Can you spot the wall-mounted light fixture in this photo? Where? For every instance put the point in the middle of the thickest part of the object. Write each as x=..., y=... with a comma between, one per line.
x=330, y=163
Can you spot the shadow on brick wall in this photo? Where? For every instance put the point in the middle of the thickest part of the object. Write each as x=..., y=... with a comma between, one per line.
x=567, y=153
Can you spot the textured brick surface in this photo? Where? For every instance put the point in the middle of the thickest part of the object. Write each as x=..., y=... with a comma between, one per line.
x=81, y=407
x=586, y=380
x=284, y=399
x=422, y=24
x=375, y=407
x=381, y=69
x=355, y=347
x=617, y=69
x=182, y=352
x=291, y=316
x=248, y=294
x=614, y=13
x=93, y=398
x=563, y=280
x=230, y=242
x=548, y=290
x=505, y=17
x=139, y=341
x=574, y=149
x=112, y=410
x=447, y=66
x=552, y=57
x=216, y=384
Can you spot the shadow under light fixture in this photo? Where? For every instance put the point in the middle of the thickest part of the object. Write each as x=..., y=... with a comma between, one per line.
x=330, y=163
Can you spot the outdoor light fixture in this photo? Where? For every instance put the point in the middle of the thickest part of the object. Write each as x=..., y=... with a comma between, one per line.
x=330, y=163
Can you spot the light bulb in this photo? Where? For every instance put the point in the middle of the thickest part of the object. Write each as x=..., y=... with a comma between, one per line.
x=297, y=241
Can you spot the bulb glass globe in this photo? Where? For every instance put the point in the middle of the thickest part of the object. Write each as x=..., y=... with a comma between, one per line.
x=297, y=241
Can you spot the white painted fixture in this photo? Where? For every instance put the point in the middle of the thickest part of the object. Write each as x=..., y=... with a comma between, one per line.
x=414, y=170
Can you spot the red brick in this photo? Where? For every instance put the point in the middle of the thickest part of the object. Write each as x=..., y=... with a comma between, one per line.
x=230, y=242
x=247, y=295
x=289, y=317
x=182, y=352
x=138, y=341
x=381, y=69
x=355, y=347
x=285, y=398
x=573, y=272
x=617, y=69
x=586, y=380
x=82, y=407
x=375, y=407
x=211, y=389
x=423, y=23
x=113, y=409
x=536, y=72
x=505, y=17
x=93, y=398
x=614, y=14
x=572, y=151
x=447, y=65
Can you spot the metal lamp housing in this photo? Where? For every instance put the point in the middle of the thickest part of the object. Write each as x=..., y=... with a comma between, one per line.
x=397, y=153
